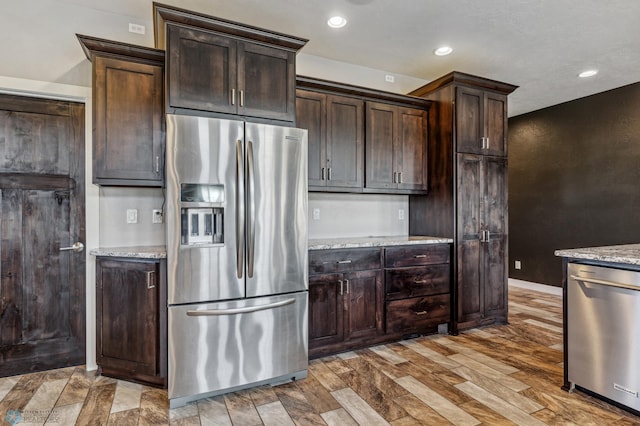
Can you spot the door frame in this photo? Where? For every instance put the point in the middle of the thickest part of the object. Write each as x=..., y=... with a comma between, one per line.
x=81, y=94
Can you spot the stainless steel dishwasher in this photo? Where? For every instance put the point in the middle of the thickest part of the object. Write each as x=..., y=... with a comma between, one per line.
x=603, y=332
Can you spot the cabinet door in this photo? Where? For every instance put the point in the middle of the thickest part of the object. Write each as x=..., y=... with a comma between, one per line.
x=469, y=120
x=495, y=254
x=364, y=306
x=310, y=115
x=201, y=70
x=127, y=316
x=326, y=310
x=411, y=149
x=128, y=120
x=382, y=131
x=266, y=82
x=345, y=127
x=495, y=119
x=469, y=198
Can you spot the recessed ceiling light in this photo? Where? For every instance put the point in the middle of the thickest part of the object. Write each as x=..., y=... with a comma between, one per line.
x=337, y=22
x=443, y=51
x=588, y=73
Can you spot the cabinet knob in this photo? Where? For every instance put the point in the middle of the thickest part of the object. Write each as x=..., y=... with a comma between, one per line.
x=420, y=281
x=420, y=256
x=420, y=312
x=344, y=262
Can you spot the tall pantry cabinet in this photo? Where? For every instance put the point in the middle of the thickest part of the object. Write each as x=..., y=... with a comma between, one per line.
x=467, y=201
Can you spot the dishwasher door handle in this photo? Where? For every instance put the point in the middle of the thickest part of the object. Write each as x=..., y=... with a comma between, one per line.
x=605, y=282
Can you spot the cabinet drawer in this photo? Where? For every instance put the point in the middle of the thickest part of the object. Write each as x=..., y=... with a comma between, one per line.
x=417, y=281
x=330, y=261
x=418, y=313
x=416, y=255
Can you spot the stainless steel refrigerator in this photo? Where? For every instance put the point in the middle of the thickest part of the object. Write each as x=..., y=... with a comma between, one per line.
x=236, y=218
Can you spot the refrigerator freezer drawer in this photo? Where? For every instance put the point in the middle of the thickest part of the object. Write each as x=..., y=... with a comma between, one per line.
x=219, y=347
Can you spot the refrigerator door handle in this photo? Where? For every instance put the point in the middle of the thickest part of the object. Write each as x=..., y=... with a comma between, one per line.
x=239, y=210
x=233, y=311
x=251, y=211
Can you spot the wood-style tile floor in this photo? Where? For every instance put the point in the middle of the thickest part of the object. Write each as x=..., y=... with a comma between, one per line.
x=497, y=375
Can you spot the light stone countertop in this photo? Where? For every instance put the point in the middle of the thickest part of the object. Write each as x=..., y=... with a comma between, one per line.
x=338, y=243
x=160, y=252
x=626, y=254
x=142, y=252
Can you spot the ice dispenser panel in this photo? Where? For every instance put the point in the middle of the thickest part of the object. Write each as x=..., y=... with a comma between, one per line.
x=202, y=213
x=202, y=225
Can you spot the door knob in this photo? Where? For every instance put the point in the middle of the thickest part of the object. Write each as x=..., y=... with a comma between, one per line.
x=77, y=247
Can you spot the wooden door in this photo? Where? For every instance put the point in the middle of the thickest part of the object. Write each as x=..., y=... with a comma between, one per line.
x=127, y=316
x=128, y=122
x=469, y=120
x=266, y=82
x=411, y=149
x=345, y=142
x=201, y=71
x=42, y=289
x=495, y=121
x=469, y=200
x=382, y=131
x=310, y=115
x=326, y=310
x=495, y=255
x=364, y=304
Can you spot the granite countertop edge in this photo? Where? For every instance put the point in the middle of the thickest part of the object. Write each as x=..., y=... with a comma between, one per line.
x=334, y=243
x=141, y=252
x=625, y=254
x=160, y=252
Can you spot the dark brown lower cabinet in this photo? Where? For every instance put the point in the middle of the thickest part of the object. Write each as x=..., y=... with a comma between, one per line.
x=131, y=319
x=346, y=308
x=353, y=305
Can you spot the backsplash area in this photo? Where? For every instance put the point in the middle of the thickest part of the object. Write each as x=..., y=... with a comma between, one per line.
x=357, y=215
x=339, y=215
x=114, y=229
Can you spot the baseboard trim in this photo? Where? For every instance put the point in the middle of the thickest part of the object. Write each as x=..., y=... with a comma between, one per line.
x=544, y=288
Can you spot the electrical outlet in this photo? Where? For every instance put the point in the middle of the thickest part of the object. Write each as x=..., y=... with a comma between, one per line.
x=132, y=215
x=137, y=29
x=316, y=214
x=389, y=78
x=400, y=214
x=518, y=264
x=156, y=216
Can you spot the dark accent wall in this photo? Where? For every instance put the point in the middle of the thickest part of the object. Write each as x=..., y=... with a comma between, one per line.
x=574, y=180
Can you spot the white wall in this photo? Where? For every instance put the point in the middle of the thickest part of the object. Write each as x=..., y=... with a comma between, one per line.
x=114, y=229
x=357, y=215
x=327, y=69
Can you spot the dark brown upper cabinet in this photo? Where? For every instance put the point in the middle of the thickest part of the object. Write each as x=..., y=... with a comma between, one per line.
x=222, y=67
x=340, y=117
x=128, y=113
x=396, y=148
x=481, y=122
x=335, y=127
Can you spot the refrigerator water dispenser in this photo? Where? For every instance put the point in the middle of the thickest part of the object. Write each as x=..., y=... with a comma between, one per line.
x=202, y=225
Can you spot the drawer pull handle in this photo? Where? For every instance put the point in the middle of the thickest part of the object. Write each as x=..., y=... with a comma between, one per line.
x=341, y=287
x=420, y=281
x=344, y=262
x=421, y=312
x=420, y=256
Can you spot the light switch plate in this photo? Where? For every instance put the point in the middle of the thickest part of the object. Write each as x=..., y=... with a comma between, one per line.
x=132, y=215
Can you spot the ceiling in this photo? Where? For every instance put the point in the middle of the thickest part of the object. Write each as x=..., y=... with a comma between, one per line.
x=539, y=45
